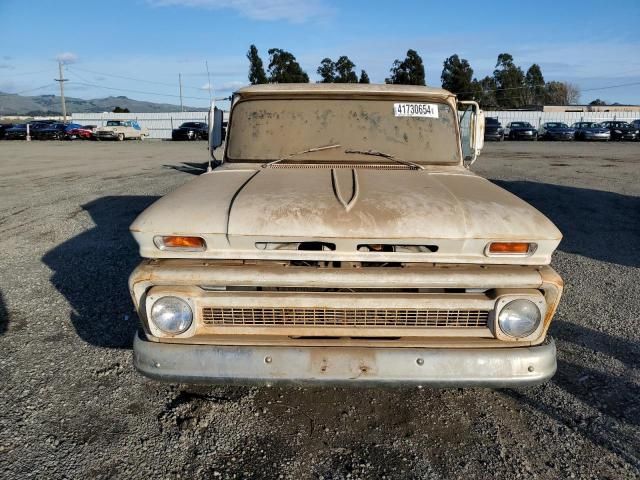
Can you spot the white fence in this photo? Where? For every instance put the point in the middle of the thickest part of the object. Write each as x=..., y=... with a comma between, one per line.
x=158, y=124
x=538, y=118
x=161, y=124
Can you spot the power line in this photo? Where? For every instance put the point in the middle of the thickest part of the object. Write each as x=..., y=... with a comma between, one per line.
x=30, y=73
x=141, y=91
x=76, y=74
x=526, y=87
x=610, y=86
x=130, y=78
x=27, y=91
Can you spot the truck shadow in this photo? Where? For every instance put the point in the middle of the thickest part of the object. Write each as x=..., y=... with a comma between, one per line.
x=601, y=225
x=91, y=271
x=4, y=316
x=193, y=168
x=613, y=401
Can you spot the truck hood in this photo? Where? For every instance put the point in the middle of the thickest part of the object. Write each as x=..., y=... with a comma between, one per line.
x=238, y=207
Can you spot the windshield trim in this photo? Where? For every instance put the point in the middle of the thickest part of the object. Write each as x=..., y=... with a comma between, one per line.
x=238, y=98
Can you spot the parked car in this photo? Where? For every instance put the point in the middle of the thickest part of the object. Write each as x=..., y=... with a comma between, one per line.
x=556, y=131
x=54, y=131
x=85, y=132
x=493, y=129
x=636, y=125
x=4, y=127
x=121, y=130
x=191, y=131
x=328, y=252
x=591, y=131
x=621, y=130
x=19, y=131
x=16, y=132
x=520, y=131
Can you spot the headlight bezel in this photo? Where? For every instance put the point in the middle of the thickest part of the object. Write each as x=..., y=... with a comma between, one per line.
x=502, y=301
x=157, y=329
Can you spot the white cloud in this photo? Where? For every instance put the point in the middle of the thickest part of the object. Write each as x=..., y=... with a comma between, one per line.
x=8, y=86
x=295, y=11
x=67, y=57
x=223, y=87
x=233, y=85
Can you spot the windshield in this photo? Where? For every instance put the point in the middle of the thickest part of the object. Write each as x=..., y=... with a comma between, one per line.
x=557, y=125
x=272, y=129
x=114, y=123
x=521, y=125
x=492, y=121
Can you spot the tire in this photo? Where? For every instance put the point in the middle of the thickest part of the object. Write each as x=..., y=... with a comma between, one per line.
x=121, y=137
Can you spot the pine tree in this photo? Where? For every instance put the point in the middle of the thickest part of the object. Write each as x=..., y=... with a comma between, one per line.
x=510, y=82
x=327, y=71
x=364, y=78
x=344, y=71
x=284, y=68
x=485, y=92
x=256, y=70
x=457, y=77
x=535, y=85
x=410, y=71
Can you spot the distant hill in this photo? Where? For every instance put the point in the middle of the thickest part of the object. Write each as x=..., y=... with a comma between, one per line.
x=12, y=104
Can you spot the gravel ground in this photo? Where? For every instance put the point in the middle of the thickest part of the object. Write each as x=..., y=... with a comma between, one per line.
x=75, y=408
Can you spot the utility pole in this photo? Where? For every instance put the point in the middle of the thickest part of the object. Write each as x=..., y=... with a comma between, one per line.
x=206, y=63
x=180, y=83
x=62, y=80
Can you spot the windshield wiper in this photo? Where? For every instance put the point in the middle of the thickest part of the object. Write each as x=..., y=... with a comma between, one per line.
x=309, y=150
x=388, y=156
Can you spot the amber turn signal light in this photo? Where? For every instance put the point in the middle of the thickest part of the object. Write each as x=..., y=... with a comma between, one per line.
x=512, y=248
x=180, y=242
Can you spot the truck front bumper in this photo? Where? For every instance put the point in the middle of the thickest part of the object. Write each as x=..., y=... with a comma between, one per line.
x=437, y=367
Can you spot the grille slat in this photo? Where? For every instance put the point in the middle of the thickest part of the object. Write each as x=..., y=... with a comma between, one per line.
x=343, y=317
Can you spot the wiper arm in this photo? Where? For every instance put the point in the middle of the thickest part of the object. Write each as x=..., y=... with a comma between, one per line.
x=309, y=150
x=375, y=153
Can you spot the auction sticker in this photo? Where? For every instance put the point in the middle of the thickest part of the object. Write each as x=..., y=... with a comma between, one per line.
x=429, y=110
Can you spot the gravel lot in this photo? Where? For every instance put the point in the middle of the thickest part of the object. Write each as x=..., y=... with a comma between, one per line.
x=75, y=408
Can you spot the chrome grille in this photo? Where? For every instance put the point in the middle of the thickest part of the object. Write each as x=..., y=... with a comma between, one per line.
x=344, y=317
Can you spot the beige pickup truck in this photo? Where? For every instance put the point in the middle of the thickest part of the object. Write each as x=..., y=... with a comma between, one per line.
x=342, y=238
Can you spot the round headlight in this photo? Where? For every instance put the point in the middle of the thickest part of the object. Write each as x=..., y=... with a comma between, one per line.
x=519, y=318
x=171, y=315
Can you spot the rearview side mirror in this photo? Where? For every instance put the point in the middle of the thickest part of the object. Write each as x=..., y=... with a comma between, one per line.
x=471, y=131
x=215, y=128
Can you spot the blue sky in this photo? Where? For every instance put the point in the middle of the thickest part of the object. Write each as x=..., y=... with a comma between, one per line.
x=591, y=43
